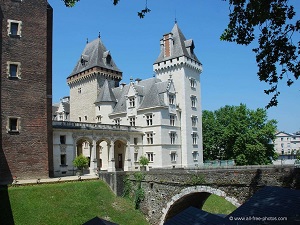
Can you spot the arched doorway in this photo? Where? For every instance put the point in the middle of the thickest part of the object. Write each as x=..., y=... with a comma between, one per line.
x=102, y=154
x=120, y=151
x=84, y=147
x=192, y=196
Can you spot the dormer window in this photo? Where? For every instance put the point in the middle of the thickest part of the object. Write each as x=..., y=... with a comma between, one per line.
x=171, y=99
x=108, y=59
x=131, y=102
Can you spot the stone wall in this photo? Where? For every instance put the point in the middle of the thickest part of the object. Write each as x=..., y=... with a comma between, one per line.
x=28, y=97
x=164, y=187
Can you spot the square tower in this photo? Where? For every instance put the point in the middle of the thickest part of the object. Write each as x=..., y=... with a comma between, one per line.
x=26, y=89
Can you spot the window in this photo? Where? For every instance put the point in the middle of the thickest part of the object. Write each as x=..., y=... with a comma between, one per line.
x=173, y=156
x=117, y=122
x=14, y=28
x=281, y=139
x=13, y=124
x=63, y=159
x=194, y=136
x=98, y=119
x=282, y=145
x=172, y=120
x=132, y=121
x=195, y=154
x=79, y=119
x=149, y=137
x=193, y=82
x=79, y=90
x=135, y=141
x=172, y=137
x=85, y=118
x=171, y=99
x=194, y=121
x=13, y=69
x=193, y=101
x=150, y=156
x=136, y=156
x=63, y=139
x=132, y=102
x=149, y=119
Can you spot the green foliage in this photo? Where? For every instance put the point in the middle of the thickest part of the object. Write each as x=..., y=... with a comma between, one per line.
x=81, y=162
x=127, y=187
x=139, y=193
x=235, y=132
x=218, y=205
x=197, y=179
x=144, y=161
x=70, y=203
x=272, y=23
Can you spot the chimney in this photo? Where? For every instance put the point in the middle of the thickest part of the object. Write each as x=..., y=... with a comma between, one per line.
x=168, y=44
x=137, y=80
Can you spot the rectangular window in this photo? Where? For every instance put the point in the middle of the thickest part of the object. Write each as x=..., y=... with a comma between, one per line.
x=14, y=28
x=172, y=120
x=63, y=139
x=85, y=118
x=99, y=119
x=193, y=101
x=171, y=99
x=13, y=69
x=194, y=121
x=172, y=137
x=13, y=124
x=132, y=102
x=135, y=141
x=117, y=122
x=132, y=121
x=194, y=136
x=195, y=154
x=149, y=137
x=79, y=119
x=149, y=119
x=173, y=156
x=193, y=82
x=63, y=159
x=79, y=90
x=150, y=156
x=136, y=157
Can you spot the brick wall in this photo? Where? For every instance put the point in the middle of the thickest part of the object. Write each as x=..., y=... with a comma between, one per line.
x=27, y=153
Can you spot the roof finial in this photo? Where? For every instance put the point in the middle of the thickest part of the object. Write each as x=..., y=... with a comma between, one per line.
x=87, y=40
x=175, y=17
x=99, y=35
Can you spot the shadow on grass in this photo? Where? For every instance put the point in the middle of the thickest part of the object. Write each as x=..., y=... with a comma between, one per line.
x=6, y=216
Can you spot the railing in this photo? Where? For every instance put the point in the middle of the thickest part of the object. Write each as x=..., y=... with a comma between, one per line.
x=91, y=126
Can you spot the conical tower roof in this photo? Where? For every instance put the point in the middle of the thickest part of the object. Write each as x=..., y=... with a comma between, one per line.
x=95, y=54
x=181, y=47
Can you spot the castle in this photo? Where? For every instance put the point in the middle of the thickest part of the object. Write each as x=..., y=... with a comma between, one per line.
x=111, y=123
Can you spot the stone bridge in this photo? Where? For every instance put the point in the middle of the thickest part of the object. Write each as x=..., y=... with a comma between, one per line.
x=168, y=192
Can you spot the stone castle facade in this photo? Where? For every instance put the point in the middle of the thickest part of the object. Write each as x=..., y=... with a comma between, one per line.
x=115, y=124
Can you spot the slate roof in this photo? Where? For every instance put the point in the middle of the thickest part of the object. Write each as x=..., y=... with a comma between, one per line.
x=180, y=46
x=94, y=54
x=106, y=94
x=151, y=90
x=194, y=216
x=271, y=202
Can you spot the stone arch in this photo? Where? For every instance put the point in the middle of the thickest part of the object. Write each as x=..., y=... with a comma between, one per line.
x=102, y=153
x=79, y=142
x=120, y=146
x=201, y=192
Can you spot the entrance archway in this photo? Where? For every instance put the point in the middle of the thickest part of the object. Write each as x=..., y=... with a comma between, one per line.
x=102, y=154
x=84, y=146
x=192, y=196
x=120, y=151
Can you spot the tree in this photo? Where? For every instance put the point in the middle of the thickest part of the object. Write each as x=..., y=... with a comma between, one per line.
x=235, y=132
x=81, y=162
x=272, y=23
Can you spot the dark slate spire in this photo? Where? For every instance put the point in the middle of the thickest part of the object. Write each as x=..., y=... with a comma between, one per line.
x=95, y=55
x=106, y=94
x=175, y=45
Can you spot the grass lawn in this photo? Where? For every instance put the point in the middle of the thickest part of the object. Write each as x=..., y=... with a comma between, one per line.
x=70, y=203
x=218, y=205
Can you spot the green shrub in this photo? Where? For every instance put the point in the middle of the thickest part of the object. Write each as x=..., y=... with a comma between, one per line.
x=81, y=162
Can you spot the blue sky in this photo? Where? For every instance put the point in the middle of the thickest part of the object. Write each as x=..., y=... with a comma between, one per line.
x=229, y=70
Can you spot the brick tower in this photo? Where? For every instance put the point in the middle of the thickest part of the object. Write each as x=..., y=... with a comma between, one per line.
x=26, y=89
